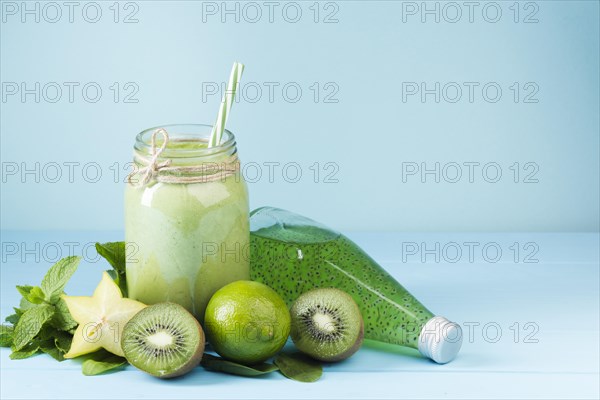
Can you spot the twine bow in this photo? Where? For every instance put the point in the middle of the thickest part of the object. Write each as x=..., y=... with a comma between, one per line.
x=150, y=170
x=163, y=171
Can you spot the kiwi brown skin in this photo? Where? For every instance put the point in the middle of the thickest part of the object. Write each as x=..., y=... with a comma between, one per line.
x=350, y=351
x=297, y=328
x=194, y=361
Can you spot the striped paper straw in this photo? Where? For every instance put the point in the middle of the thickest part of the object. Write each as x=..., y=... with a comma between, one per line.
x=228, y=97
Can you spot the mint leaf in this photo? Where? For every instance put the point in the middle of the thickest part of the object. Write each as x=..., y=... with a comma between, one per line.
x=62, y=341
x=62, y=318
x=54, y=353
x=219, y=364
x=27, y=351
x=100, y=362
x=36, y=296
x=33, y=294
x=56, y=338
x=24, y=305
x=13, y=319
x=6, y=335
x=298, y=367
x=30, y=324
x=114, y=253
x=114, y=275
x=24, y=290
x=49, y=348
x=57, y=277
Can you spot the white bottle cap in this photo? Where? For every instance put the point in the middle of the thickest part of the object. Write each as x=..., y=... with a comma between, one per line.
x=440, y=340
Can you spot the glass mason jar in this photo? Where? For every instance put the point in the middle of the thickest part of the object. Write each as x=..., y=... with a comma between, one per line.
x=186, y=217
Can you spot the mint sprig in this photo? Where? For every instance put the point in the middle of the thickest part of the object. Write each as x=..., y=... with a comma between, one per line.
x=42, y=316
x=42, y=322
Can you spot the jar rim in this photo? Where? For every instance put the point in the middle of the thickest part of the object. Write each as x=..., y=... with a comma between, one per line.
x=184, y=133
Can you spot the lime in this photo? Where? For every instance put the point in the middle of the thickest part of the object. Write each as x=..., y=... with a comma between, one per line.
x=247, y=322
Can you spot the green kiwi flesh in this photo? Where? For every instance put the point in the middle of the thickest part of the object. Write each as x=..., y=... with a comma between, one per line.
x=327, y=324
x=164, y=340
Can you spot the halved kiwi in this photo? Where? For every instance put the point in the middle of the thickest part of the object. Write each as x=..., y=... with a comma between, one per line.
x=327, y=324
x=164, y=340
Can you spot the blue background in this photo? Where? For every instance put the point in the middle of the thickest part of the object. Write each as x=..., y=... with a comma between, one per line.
x=367, y=136
x=170, y=53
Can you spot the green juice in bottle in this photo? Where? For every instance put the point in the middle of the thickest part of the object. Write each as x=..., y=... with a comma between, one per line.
x=293, y=254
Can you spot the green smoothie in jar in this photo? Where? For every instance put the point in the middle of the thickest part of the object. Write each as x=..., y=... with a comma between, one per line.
x=186, y=217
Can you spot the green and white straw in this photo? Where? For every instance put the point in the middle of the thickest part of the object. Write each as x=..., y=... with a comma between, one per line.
x=228, y=97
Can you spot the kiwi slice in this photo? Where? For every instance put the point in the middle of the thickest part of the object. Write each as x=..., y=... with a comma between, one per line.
x=327, y=324
x=164, y=340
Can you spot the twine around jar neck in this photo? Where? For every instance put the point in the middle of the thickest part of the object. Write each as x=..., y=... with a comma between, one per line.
x=151, y=169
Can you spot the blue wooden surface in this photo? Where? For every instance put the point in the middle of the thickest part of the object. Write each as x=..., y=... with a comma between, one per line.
x=558, y=295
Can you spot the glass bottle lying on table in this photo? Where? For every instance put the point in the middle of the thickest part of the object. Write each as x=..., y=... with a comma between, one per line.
x=293, y=254
x=186, y=217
